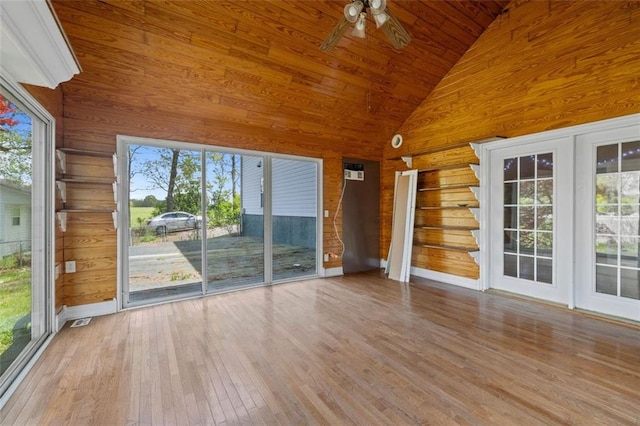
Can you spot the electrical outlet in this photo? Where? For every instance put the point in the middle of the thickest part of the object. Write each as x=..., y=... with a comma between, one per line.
x=70, y=267
x=326, y=213
x=326, y=257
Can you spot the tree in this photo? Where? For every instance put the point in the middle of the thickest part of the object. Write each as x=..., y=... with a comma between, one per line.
x=15, y=146
x=156, y=173
x=8, y=111
x=187, y=185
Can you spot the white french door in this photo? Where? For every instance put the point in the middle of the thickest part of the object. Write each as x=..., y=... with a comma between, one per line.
x=530, y=216
x=608, y=213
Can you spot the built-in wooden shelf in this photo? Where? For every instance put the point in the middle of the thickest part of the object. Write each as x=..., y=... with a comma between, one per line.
x=450, y=228
x=448, y=167
x=62, y=181
x=83, y=153
x=446, y=247
x=446, y=207
x=443, y=187
x=86, y=180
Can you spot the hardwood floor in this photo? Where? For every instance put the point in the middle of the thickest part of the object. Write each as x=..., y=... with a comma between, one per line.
x=356, y=349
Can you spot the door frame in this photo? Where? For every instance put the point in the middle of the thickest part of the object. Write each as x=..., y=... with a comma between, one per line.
x=122, y=143
x=562, y=149
x=586, y=297
x=484, y=153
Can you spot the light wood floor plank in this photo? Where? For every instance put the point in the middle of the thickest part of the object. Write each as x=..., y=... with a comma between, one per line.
x=358, y=349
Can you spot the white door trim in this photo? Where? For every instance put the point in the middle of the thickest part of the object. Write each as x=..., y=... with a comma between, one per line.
x=485, y=184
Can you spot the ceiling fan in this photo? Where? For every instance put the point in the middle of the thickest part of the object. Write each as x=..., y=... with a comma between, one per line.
x=356, y=13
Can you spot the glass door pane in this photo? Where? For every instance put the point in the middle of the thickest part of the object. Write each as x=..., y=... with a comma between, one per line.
x=617, y=220
x=235, y=221
x=294, y=218
x=22, y=306
x=528, y=217
x=165, y=226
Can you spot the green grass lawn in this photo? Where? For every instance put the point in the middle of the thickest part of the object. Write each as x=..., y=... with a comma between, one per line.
x=142, y=213
x=15, y=302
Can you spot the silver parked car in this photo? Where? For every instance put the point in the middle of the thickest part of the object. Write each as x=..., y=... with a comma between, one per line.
x=174, y=221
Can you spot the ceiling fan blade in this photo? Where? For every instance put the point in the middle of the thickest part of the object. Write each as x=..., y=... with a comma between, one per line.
x=394, y=30
x=335, y=35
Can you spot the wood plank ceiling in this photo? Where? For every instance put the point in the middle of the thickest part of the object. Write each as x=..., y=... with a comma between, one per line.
x=254, y=68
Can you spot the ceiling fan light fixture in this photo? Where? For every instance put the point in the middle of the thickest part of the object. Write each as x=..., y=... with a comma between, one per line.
x=352, y=10
x=380, y=18
x=359, y=28
x=377, y=6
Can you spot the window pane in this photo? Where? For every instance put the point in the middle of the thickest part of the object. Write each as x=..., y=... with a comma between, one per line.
x=17, y=291
x=526, y=268
x=544, y=270
x=528, y=167
x=510, y=241
x=607, y=159
x=510, y=193
x=630, y=283
x=606, y=250
x=510, y=265
x=294, y=218
x=545, y=191
x=629, y=220
x=545, y=165
x=526, y=218
x=607, y=189
x=607, y=220
x=527, y=192
x=527, y=242
x=510, y=169
x=631, y=156
x=165, y=251
x=629, y=187
x=544, y=218
x=606, y=280
x=511, y=217
x=630, y=248
x=544, y=244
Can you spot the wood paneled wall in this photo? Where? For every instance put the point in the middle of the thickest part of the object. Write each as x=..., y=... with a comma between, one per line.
x=539, y=66
x=52, y=101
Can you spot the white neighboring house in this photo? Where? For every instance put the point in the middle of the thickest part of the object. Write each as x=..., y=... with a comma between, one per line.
x=294, y=200
x=15, y=219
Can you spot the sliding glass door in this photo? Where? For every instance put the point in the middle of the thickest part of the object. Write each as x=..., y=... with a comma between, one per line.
x=25, y=205
x=294, y=205
x=235, y=227
x=166, y=226
x=203, y=221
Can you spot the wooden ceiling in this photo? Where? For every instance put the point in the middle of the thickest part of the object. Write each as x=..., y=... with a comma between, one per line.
x=255, y=67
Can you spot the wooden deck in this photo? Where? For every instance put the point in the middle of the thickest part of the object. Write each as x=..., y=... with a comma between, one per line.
x=359, y=349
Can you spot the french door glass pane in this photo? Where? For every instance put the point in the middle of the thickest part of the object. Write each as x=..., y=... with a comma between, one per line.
x=294, y=206
x=18, y=320
x=617, y=220
x=528, y=217
x=165, y=253
x=235, y=225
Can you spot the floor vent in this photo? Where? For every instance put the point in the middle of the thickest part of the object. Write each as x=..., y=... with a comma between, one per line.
x=81, y=322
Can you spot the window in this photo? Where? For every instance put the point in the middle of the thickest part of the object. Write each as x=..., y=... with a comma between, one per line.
x=15, y=218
